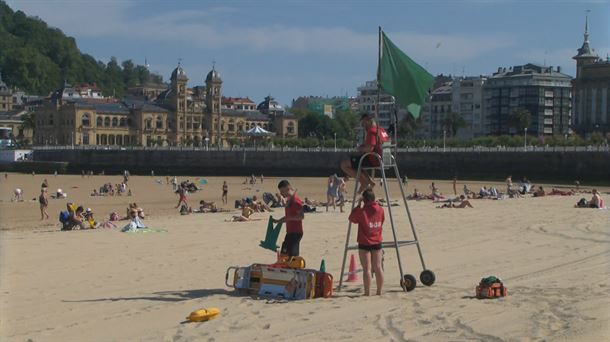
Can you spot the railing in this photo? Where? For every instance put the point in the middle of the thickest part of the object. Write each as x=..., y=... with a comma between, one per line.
x=428, y=149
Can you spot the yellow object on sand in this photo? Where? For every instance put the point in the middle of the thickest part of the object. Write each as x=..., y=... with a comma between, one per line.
x=203, y=315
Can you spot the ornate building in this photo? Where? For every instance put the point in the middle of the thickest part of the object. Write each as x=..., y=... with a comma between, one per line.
x=591, y=89
x=177, y=116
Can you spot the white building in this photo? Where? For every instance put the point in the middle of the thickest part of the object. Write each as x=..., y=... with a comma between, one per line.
x=467, y=100
x=367, y=102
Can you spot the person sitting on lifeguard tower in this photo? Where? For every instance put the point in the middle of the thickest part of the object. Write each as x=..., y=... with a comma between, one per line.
x=371, y=144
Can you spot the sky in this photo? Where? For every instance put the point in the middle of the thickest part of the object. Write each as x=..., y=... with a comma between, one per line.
x=298, y=48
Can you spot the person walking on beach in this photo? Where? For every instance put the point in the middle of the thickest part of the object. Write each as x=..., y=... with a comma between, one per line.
x=43, y=199
x=294, y=216
x=225, y=192
x=332, y=189
x=369, y=216
x=182, y=192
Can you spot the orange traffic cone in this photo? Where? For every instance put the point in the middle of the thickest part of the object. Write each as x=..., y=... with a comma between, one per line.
x=351, y=274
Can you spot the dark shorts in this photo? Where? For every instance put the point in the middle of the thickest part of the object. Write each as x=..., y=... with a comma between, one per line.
x=355, y=159
x=369, y=248
x=290, y=246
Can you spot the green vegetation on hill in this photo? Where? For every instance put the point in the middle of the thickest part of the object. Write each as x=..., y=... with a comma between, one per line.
x=37, y=58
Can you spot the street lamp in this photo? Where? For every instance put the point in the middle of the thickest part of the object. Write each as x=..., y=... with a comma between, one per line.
x=525, y=139
x=207, y=142
x=444, y=135
x=335, y=142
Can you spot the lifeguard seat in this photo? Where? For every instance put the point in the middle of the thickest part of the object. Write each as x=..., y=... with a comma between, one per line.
x=386, y=160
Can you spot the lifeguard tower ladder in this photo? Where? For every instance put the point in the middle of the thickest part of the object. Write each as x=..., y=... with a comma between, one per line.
x=388, y=161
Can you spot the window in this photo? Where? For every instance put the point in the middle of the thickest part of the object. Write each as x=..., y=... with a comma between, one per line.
x=99, y=122
x=148, y=124
x=111, y=140
x=231, y=125
x=115, y=122
x=290, y=127
x=123, y=122
x=159, y=123
x=107, y=122
x=85, y=120
x=85, y=138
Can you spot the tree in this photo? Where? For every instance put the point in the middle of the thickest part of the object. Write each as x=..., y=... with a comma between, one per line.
x=407, y=127
x=453, y=122
x=37, y=59
x=519, y=118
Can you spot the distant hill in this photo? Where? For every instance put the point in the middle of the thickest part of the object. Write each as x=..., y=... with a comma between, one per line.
x=37, y=58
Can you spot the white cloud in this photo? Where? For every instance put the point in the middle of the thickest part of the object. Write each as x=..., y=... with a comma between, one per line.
x=203, y=29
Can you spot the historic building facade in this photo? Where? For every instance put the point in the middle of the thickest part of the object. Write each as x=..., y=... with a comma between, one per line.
x=591, y=89
x=176, y=116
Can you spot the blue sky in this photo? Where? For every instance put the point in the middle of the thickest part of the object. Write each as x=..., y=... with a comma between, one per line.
x=316, y=47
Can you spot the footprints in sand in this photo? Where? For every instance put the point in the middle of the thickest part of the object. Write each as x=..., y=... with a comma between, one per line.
x=386, y=327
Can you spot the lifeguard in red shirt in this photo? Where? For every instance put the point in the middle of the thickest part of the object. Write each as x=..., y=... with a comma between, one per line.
x=293, y=218
x=373, y=142
x=370, y=218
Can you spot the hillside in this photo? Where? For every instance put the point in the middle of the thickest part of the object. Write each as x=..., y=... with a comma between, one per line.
x=37, y=58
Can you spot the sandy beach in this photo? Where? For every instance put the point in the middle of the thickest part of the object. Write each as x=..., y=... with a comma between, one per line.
x=104, y=285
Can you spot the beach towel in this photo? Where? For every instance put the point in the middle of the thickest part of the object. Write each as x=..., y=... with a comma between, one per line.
x=145, y=230
x=134, y=225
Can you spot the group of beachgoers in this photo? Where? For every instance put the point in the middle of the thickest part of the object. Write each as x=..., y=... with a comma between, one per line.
x=252, y=179
x=77, y=218
x=108, y=189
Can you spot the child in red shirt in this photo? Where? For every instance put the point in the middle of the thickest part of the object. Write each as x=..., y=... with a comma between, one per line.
x=369, y=218
x=293, y=218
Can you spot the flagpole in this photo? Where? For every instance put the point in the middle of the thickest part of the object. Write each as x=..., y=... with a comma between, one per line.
x=378, y=80
x=378, y=140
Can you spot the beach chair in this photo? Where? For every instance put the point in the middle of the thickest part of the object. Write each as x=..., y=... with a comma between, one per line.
x=386, y=162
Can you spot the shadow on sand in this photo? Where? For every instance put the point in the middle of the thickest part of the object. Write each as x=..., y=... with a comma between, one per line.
x=164, y=296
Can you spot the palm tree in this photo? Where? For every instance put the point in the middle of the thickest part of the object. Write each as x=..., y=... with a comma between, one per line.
x=519, y=118
x=453, y=121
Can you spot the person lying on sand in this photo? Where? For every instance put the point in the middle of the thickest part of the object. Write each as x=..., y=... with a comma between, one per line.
x=313, y=203
x=416, y=195
x=557, y=192
x=207, y=207
x=246, y=212
x=462, y=203
x=540, y=192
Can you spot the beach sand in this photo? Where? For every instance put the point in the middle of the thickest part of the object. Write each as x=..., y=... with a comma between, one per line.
x=103, y=285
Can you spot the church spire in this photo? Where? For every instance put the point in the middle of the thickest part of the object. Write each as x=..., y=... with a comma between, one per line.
x=587, y=27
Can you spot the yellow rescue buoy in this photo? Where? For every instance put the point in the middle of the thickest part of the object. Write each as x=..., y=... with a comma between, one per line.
x=203, y=315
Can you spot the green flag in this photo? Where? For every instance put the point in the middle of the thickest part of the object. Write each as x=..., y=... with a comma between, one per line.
x=402, y=78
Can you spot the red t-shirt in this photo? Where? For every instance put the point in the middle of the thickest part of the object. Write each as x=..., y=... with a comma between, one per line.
x=294, y=206
x=370, y=220
x=371, y=140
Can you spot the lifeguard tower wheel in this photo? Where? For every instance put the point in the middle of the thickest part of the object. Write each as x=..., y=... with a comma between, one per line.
x=427, y=277
x=408, y=283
